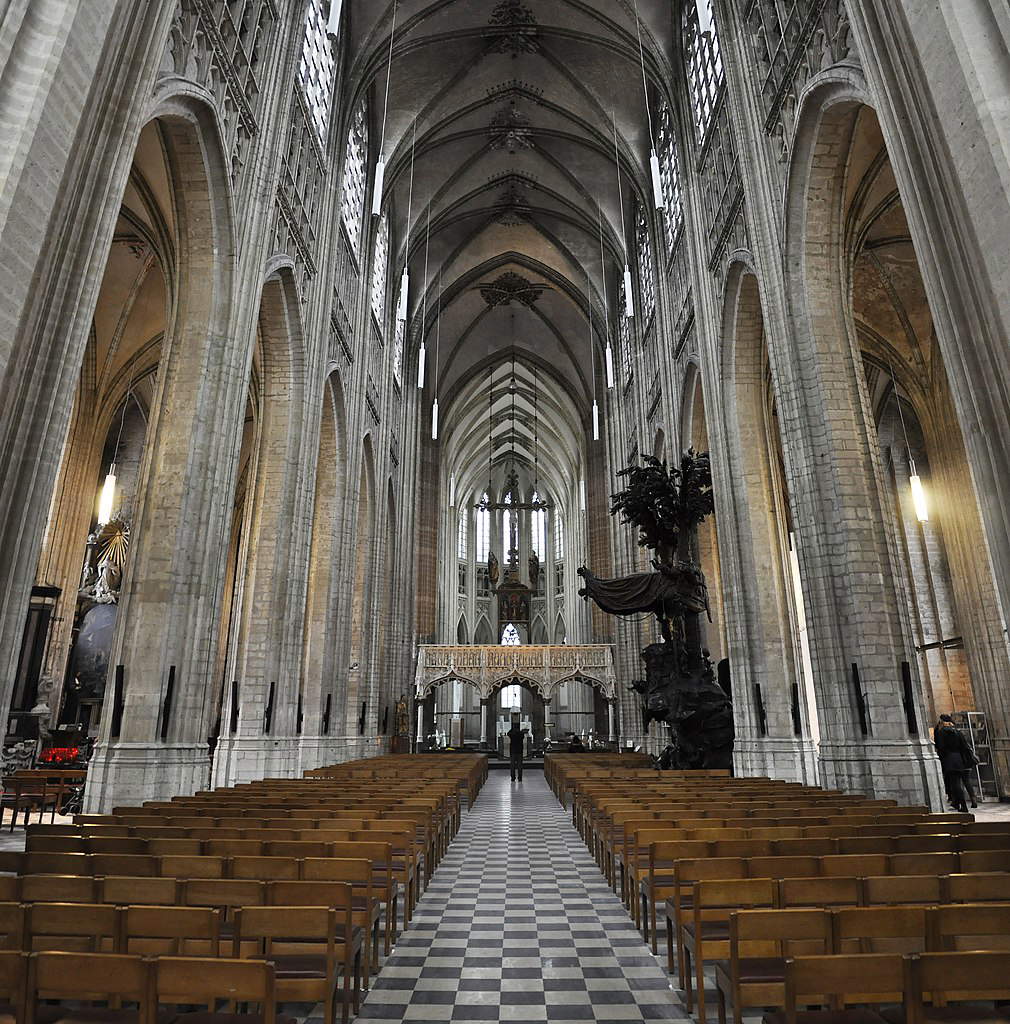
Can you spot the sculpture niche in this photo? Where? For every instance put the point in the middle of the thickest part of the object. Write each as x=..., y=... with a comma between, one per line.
x=667, y=506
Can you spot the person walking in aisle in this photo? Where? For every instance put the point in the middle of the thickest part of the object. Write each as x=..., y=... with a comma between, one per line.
x=956, y=760
x=517, y=742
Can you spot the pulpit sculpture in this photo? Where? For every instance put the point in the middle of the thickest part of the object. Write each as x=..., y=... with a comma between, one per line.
x=666, y=506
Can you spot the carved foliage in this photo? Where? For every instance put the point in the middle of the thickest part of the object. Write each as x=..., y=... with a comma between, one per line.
x=511, y=287
x=512, y=29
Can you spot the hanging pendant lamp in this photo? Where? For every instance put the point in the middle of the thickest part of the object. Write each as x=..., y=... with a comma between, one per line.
x=424, y=303
x=438, y=330
x=380, y=167
x=609, y=355
x=657, y=181
x=592, y=359
x=919, y=502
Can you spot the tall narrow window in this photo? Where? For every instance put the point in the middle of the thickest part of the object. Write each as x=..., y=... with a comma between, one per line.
x=315, y=68
x=624, y=339
x=483, y=536
x=380, y=265
x=669, y=174
x=559, y=536
x=461, y=535
x=399, y=335
x=352, y=197
x=646, y=277
x=511, y=696
x=538, y=530
x=704, y=61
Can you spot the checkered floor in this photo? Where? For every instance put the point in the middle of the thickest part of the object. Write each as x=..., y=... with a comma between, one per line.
x=518, y=924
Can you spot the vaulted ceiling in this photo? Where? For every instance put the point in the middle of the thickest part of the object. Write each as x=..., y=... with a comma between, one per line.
x=510, y=109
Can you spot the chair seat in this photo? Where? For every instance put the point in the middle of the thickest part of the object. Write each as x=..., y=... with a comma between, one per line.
x=206, y=1017
x=854, y=1015
x=710, y=930
x=299, y=965
x=756, y=969
x=91, y=1015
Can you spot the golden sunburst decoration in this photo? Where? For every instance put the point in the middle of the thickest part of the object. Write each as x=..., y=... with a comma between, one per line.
x=114, y=543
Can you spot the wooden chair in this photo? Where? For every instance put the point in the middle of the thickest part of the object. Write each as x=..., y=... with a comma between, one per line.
x=819, y=892
x=13, y=986
x=894, y=890
x=141, y=866
x=660, y=881
x=759, y=943
x=74, y=927
x=976, y=861
x=12, y=926
x=969, y=926
x=174, y=931
x=842, y=980
x=110, y=978
x=189, y=867
x=265, y=869
x=706, y=935
x=308, y=946
x=937, y=979
x=184, y=981
x=224, y=894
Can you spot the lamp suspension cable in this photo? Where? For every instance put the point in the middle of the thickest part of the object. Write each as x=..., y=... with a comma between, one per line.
x=629, y=300
x=434, y=373
x=424, y=303
x=657, y=183
x=490, y=431
x=592, y=357
x=401, y=306
x=380, y=167
x=914, y=480
x=606, y=305
x=536, y=439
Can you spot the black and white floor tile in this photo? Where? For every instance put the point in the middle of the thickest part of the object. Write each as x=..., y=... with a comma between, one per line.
x=519, y=925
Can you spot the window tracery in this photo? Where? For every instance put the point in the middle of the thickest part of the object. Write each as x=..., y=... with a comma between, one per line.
x=352, y=197
x=483, y=532
x=704, y=61
x=669, y=175
x=399, y=336
x=380, y=267
x=461, y=536
x=624, y=339
x=316, y=68
x=646, y=275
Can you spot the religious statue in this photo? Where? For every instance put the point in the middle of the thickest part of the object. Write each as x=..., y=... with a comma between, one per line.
x=534, y=565
x=492, y=569
x=679, y=688
x=402, y=717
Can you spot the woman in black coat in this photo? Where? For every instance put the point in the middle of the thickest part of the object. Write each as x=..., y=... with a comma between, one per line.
x=956, y=758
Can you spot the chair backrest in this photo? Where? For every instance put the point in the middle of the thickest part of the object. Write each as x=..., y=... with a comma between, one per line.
x=717, y=897
x=124, y=864
x=171, y=930
x=969, y=926
x=898, y=889
x=185, y=980
x=975, y=861
x=124, y=889
x=109, y=977
x=58, y=889
x=223, y=892
x=845, y=978
x=923, y=864
x=879, y=929
x=12, y=925
x=55, y=864
x=783, y=867
x=765, y=933
x=76, y=927
x=941, y=977
x=819, y=892
x=190, y=867
x=285, y=924
x=14, y=980
x=264, y=868
x=854, y=865
x=977, y=887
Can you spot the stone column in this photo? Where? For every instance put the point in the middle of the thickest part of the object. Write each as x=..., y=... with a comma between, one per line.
x=483, y=723
x=611, y=735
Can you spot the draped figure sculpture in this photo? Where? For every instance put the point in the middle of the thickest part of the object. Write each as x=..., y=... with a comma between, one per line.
x=666, y=506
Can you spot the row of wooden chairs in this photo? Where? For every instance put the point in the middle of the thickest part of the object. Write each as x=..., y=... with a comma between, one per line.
x=753, y=972
x=30, y=983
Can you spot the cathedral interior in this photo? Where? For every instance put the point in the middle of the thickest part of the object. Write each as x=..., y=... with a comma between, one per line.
x=329, y=327
x=471, y=471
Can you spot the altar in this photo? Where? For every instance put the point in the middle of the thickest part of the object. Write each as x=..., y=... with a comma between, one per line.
x=549, y=672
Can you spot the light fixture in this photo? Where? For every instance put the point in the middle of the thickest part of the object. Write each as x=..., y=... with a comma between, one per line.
x=592, y=358
x=919, y=502
x=424, y=302
x=452, y=490
x=380, y=167
x=582, y=494
x=107, y=497
x=609, y=355
x=657, y=183
x=596, y=421
x=918, y=494
x=434, y=420
x=629, y=300
x=333, y=22
x=434, y=380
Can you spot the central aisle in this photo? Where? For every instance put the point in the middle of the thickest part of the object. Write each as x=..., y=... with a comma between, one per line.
x=518, y=924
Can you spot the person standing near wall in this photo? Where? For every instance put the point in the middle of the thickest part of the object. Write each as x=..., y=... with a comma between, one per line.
x=517, y=741
x=956, y=761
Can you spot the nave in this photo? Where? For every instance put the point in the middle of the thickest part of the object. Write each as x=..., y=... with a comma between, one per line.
x=518, y=924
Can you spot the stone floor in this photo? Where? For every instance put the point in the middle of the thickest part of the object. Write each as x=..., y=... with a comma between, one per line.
x=518, y=924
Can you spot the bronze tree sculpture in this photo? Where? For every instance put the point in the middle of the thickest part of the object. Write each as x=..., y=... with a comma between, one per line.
x=666, y=506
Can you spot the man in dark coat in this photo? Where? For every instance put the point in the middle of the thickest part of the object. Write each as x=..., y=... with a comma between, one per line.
x=956, y=759
x=516, y=737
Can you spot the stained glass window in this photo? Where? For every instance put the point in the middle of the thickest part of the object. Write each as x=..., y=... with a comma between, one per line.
x=315, y=68
x=704, y=61
x=538, y=530
x=352, y=198
x=461, y=535
x=624, y=339
x=511, y=696
x=559, y=536
x=669, y=174
x=646, y=277
x=380, y=266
